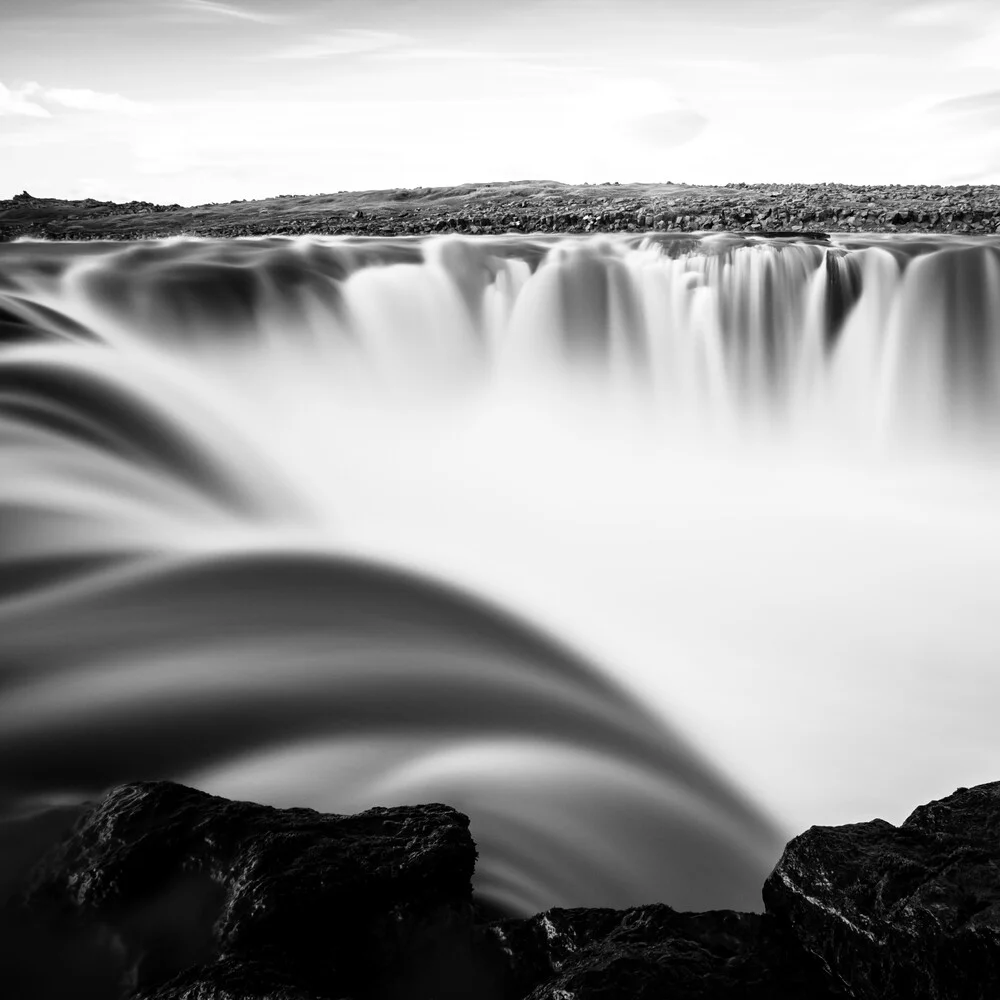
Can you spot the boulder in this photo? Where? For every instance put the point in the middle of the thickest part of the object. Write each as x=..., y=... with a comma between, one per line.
x=653, y=952
x=231, y=979
x=159, y=879
x=900, y=913
x=161, y=892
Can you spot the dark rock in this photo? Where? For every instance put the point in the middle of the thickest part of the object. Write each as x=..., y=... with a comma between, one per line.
x=653, y=952
x=230, y=979
x=24, y=839
x=901, y=913
x=798, y=234
x=161, y=892
x=863, y=911
x=158, y=878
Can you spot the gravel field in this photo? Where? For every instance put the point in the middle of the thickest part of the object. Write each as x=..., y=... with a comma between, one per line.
x=525, y=207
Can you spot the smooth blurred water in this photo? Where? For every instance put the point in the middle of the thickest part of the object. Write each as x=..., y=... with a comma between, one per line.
x=261, y=503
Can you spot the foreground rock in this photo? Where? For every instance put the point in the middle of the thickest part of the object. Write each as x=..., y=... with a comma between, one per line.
x=161, y=892
x=911, y=912
x=528, y=207
x=654, y=952
x=159, y=879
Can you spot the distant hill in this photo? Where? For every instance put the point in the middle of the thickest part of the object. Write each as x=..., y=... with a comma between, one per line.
x=524, y=206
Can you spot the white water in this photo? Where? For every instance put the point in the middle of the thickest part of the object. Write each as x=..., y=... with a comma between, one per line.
x=755, y=481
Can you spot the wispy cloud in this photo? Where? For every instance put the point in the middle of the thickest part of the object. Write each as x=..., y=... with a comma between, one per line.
x=218, y=9
x=32, y=139
x=94, y=100
x=668, y=129
x=981, y=51
x=987, y=102
x=19, y=102
x=937, y=14
x=32, y=100
x=465, y=55
x=350, y=41
x=966, y=32
x=542, y=67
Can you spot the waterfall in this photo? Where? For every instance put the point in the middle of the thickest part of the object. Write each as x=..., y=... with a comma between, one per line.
x=639, y=550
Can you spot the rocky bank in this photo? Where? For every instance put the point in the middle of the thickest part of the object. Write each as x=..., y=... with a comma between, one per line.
x=526, y=207
x=161, y=892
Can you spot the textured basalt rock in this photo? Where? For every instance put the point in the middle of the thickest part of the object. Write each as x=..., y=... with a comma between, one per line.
x=652, y=952
x=159, y=878
x=231, y=979
x=161, y=892
x=908, y=912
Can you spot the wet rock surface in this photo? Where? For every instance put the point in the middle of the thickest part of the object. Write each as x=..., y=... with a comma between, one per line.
x=651, y=952
x=161, y=892
x=901, y=912
x=528, y=207
x=159, y=879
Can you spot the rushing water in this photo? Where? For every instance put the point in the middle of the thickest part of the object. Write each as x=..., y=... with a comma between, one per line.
x=300, y=520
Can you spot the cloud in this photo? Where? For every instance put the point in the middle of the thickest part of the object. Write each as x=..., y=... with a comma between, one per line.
x=351, y=41
x=982, y=50
x=93, y=100
x=16, y=102
x=30, y=100
x=935, y=15
x=468, y=55
x=447, y=55
x=216, y=8
x=987, y=103
x=667, y=129
x=966, y=32
x=32, y=139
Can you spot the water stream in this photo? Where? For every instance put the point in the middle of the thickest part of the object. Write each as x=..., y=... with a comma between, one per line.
x=644, y=552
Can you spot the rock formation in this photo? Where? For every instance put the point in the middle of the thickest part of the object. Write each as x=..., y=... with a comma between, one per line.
x=900, y=913
x=161, y=892
x=160, y=881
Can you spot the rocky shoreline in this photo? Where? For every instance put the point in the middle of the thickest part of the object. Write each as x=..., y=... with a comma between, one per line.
x=526, y=207
x=161, y=892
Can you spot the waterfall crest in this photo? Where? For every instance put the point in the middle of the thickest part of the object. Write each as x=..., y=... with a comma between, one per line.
x=235, y=475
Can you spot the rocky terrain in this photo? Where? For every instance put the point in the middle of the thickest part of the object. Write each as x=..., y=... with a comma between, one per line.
x=526, y=207
x=161, y=892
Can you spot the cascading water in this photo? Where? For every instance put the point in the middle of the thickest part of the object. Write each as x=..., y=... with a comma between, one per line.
x=249, y=488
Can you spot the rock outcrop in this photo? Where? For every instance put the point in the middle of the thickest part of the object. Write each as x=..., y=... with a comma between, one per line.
x=161, y=892
x=159, y=880
x=900, y=913
x=653, y=952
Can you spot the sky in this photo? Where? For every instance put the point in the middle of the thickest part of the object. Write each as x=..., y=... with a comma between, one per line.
x=196, y=101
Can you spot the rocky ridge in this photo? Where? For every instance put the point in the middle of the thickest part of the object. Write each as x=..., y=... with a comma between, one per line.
x=527, y=207
x=161, y=892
